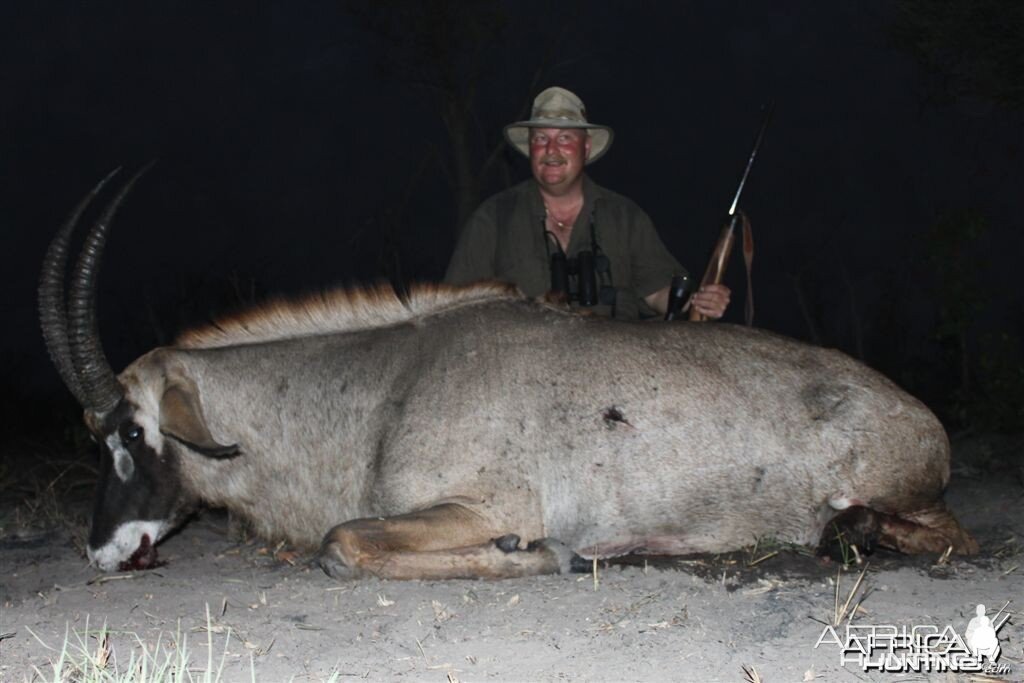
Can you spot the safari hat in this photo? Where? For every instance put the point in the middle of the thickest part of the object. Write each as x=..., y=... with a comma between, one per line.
x=559, y=108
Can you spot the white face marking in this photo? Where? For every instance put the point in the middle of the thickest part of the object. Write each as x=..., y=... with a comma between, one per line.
x=124, y=464
x=126, y=541
x=150, y=430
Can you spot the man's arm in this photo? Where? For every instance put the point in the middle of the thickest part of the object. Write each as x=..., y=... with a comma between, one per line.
x=653, y=268
x=710, y=301
x=659, y=300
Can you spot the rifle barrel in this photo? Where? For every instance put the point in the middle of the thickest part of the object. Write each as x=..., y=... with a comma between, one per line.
x=769, y=109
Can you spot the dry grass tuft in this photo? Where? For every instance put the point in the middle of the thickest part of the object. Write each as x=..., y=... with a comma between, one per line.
x=91, y=656
x=750, y=675
x=44, y=489
x=838, y=614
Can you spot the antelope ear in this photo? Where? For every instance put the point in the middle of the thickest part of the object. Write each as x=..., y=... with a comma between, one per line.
x=181, y=418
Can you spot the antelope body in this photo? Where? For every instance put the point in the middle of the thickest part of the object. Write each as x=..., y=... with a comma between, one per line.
x=472, y=433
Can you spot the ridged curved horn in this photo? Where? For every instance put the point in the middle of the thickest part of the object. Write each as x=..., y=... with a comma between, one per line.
x=52, y=306
x=99, y=383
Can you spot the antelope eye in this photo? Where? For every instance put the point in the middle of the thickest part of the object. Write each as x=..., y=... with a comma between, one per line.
x=133, y=434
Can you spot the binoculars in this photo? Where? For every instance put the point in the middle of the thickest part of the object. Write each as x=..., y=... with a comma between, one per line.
x=582, y=270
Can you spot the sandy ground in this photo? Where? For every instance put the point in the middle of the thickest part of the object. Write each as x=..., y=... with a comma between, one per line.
x=692, y=619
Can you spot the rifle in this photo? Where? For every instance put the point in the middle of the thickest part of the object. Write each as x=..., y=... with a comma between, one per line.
x=723, y=248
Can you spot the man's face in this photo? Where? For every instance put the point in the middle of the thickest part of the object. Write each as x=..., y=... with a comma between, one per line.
x=557, y=157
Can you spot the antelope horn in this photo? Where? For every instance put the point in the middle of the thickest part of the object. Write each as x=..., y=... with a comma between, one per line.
x=52, y=306
x=99, y=383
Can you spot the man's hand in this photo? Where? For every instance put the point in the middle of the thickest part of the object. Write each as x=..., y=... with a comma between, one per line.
x=711, y=300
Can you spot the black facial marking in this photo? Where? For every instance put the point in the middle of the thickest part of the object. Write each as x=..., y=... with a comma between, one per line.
x=152, y=493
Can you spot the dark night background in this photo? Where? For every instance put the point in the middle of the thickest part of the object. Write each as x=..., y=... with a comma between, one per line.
x=307, y=145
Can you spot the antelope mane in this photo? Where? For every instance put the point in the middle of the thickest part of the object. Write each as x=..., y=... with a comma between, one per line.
x=338, y=310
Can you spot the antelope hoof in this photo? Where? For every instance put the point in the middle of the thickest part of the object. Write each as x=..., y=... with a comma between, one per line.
x=329, y=559
x=509, y=543
x=566, y=558
x=855, y=526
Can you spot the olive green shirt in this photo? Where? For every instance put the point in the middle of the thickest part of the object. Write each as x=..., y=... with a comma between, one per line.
x=505, y=240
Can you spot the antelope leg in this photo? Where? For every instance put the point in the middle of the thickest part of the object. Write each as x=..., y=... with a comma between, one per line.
x=447, y=541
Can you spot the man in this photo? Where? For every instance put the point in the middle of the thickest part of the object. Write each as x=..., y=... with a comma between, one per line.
x=561, y=222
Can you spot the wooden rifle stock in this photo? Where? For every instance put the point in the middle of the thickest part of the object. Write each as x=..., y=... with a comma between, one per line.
x=719, y=260
x=723, y=249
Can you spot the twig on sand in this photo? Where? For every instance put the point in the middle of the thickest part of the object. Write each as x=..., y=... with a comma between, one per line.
x=104, y=578
x=761, y=559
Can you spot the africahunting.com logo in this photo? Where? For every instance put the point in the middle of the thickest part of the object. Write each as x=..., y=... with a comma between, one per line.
x=923, y=648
